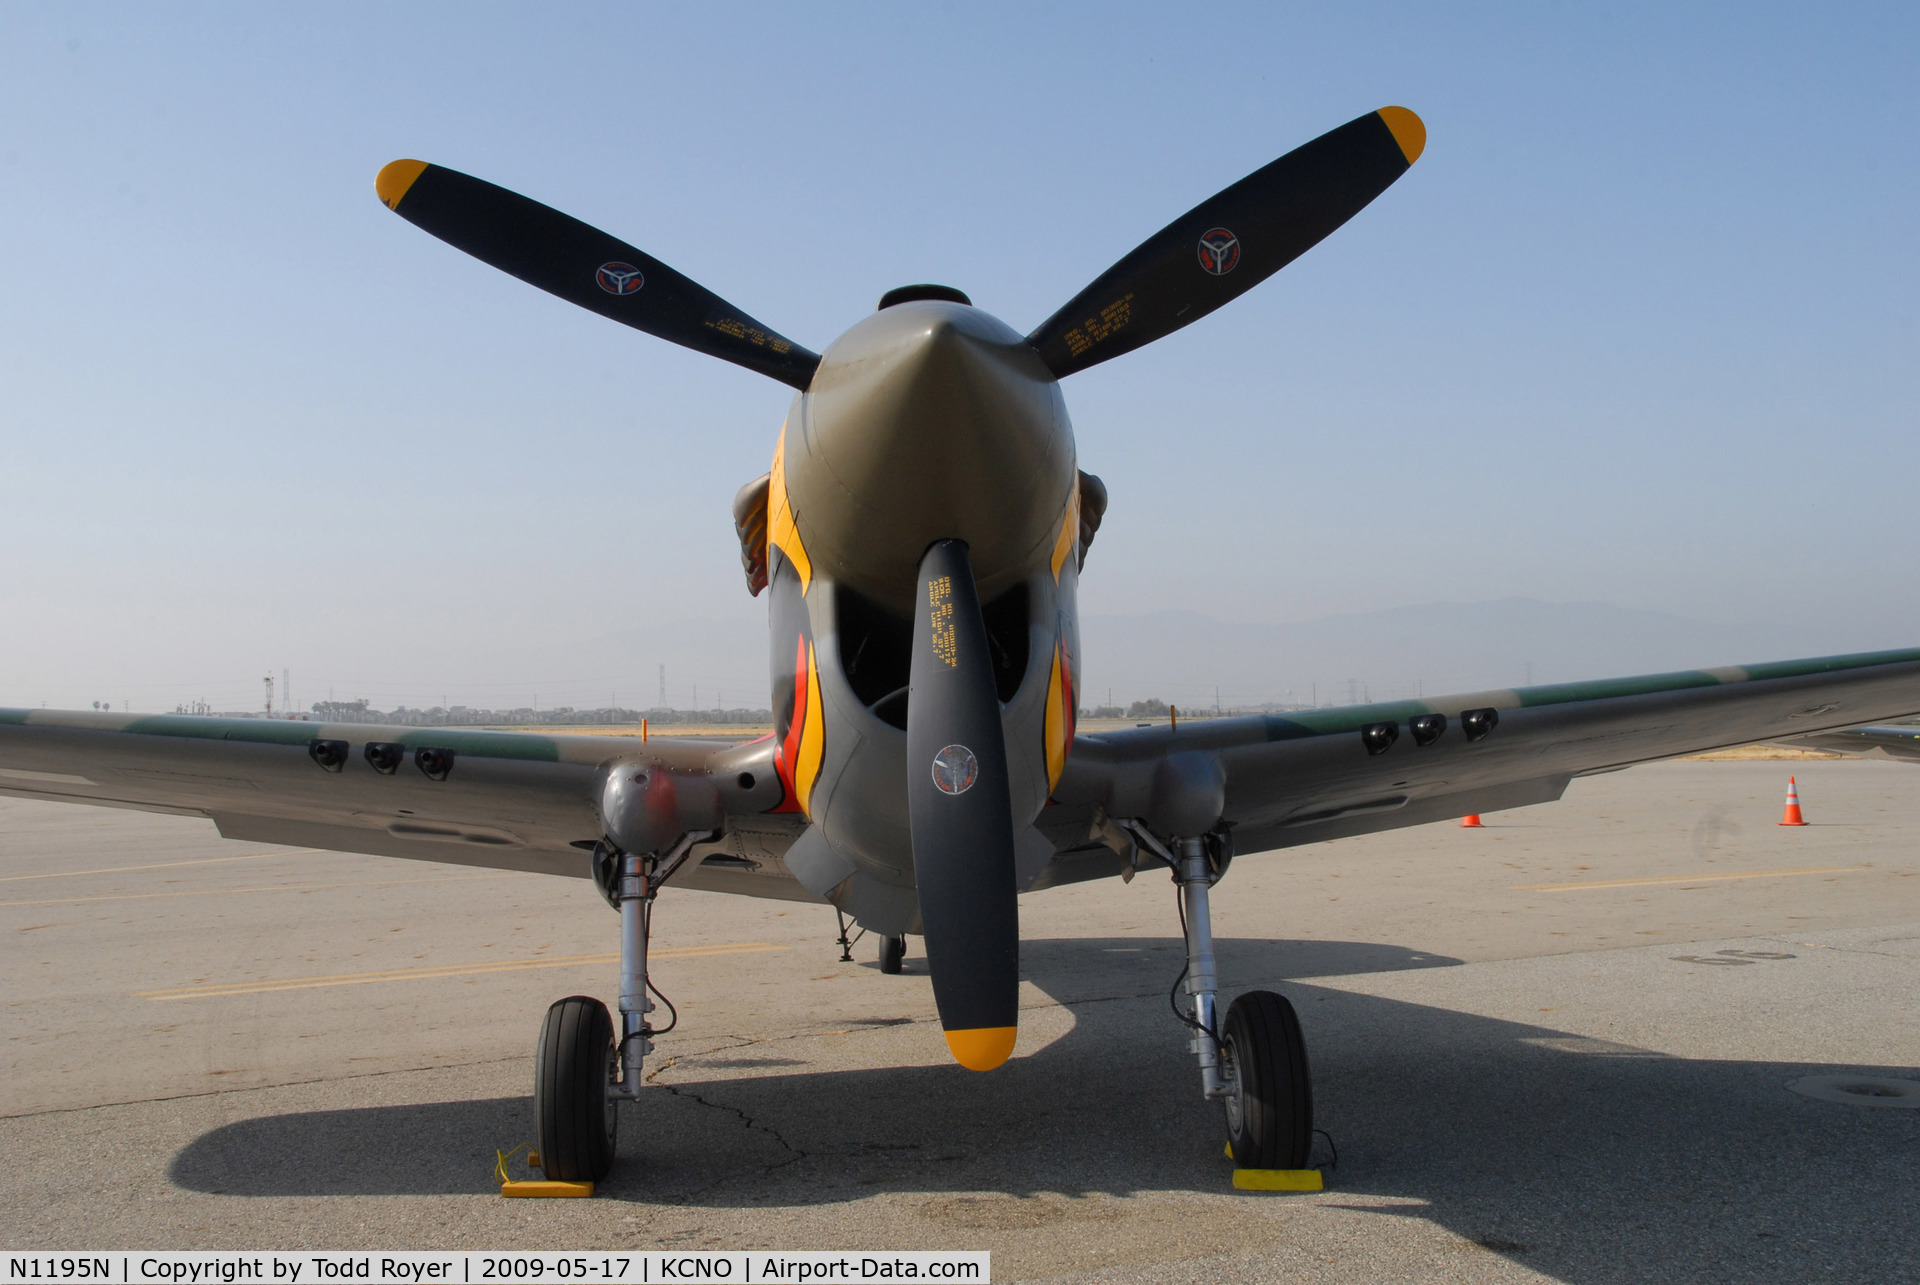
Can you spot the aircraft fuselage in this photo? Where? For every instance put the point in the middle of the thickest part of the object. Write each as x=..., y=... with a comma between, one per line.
x=928, y=421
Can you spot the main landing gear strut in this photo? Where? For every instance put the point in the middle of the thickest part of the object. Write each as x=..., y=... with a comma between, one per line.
x=581, y=1072
x=1254, y=1063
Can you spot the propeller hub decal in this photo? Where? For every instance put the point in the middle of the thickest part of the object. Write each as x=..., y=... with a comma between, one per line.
x=624, y=278
x=1219, y=251
x=955, y=769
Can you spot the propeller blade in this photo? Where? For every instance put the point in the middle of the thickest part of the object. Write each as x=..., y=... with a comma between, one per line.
x=584, y=265
x=1232, y=242
x=961, y=815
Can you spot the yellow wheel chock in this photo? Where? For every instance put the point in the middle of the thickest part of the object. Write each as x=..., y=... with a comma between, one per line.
x=534, y=1188
x=1276, y=1179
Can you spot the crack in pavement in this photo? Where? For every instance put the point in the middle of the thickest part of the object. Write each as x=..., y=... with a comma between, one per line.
x=794, y=1154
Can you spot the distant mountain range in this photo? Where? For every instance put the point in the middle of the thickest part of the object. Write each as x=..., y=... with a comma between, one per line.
x=1404, y=651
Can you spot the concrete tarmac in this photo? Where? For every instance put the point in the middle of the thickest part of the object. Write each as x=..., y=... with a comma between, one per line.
x=1556, y=1048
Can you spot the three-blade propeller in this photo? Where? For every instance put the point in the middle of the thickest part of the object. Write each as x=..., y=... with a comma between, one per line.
x=1231, y=242
x=584, y=265
x=957, y=789
x=959, y=809
x=1210, y=255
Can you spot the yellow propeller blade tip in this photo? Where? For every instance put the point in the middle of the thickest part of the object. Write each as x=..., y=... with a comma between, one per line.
x=1408, y=130
x=982, y=1048
x=394, y=180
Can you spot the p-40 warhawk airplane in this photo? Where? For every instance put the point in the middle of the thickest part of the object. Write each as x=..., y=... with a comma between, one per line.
x=920, y=535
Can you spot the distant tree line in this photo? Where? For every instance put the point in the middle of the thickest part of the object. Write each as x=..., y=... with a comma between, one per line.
x=1149, y=708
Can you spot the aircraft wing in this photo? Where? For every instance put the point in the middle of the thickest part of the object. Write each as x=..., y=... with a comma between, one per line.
x=530, y=801
x=1299, y=777
x=504, y=800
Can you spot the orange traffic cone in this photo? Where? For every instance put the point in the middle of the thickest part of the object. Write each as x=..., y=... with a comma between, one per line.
x=1471, y=823
x=1792, y=816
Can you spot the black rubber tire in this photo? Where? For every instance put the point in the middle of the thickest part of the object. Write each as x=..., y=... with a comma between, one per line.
x=1270, y=1117
x=893, y=953
x=574, y=1119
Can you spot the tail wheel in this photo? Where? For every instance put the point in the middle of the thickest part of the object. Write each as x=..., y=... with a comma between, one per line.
x=893, y=953
x=1270, y=1110
x=575, y=1119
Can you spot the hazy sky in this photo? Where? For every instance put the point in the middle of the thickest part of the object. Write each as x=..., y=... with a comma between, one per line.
x=1639, y=327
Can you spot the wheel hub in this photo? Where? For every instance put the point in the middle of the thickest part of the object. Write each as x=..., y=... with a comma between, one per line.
x=1232, y=1098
